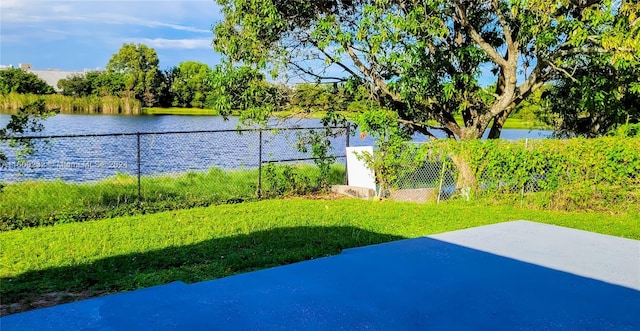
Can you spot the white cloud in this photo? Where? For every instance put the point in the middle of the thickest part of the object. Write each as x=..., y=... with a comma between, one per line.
x=46, y=31
x=151, y=14
x=108, y=18
x=64, y=14
x=162, y=43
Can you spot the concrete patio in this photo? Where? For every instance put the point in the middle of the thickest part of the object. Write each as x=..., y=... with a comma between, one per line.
x=509, y=276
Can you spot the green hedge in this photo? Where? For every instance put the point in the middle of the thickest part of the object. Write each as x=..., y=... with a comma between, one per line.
x=602, y=173
x=576, y=162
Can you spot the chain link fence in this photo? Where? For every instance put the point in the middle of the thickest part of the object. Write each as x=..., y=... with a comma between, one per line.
x=428, y=181
x=598, y=174
x=436, y=179
x=82, y=177
x=85, y=177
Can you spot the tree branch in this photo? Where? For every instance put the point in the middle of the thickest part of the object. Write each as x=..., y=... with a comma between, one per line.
x=562, y=70
x=332, y=59
x=377, y=80
x=421, y=127
x=505, y=27
x=464, y=20
x=317, y=76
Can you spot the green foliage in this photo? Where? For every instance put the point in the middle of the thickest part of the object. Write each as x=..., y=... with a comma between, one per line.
x=315, y=97
x=395, y=157
x=318, y=143
x=93, y=83
x=244, y=89
x=284, y=181
x=582, y=174
x=139, y=66
x=20, y=81
x=27, y=120
x=601, y=174
x=70, y=104
x=596, y=98
x=190, y=84
x=107, y=83
x=626, y=130
x=76, y=85
x=424, y=60
x=287, y=180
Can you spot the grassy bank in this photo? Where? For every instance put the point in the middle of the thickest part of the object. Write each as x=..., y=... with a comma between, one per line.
x=512, y=122
x=38, y=203
x=179, y=111
x=127, y=106
x=73, y=105
x=68, y=261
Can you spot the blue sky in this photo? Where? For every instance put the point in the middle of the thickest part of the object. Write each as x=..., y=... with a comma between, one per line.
x=77, y=35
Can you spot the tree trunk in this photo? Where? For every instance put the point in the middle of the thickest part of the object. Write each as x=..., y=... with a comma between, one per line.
x=498, y=123
x=466, y=177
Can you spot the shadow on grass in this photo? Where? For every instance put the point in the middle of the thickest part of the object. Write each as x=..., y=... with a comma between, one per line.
x=206, y=260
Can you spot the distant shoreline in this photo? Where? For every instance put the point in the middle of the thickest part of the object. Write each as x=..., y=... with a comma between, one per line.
x=511, y=123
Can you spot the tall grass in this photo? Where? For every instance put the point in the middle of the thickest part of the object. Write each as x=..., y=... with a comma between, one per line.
x=71, y=105
x=36, y=203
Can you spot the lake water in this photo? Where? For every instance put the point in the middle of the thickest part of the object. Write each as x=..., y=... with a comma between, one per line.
x=92, y=158
x=65, y=124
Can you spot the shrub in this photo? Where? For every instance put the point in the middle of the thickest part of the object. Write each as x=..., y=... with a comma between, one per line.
x=581, y=173
x=572, y=174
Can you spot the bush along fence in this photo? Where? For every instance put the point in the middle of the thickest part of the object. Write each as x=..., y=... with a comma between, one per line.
x=572, y=174
x=74, y=178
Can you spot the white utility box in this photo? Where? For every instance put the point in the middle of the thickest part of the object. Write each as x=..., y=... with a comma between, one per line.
x=358, y=173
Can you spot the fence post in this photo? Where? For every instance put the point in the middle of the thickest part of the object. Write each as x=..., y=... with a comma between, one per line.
x=442, y=172
x=346, y=158
x=260, y=164
x=348, y=134
x=526, y=142
x=138, y=162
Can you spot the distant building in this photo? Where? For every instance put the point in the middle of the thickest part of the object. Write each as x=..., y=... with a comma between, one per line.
x=50, y=76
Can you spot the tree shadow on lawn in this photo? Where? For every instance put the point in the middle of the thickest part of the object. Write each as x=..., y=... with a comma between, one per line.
x=210, y=259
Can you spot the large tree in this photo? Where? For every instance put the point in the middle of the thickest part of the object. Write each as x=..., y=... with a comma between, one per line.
x=430, y=60
x=139, y=66
x=190, y=84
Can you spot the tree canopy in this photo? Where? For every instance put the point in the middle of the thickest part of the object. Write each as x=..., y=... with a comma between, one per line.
x=96, y=83
x=431, y=60
x=19, y=81
x=190, y=84
x=596, y=99
x=243, y=88
x=139, y=65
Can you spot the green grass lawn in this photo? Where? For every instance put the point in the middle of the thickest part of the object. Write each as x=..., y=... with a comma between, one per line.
x=127, y=253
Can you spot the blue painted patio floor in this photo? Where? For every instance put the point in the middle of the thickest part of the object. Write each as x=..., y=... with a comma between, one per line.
x=508, y=276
